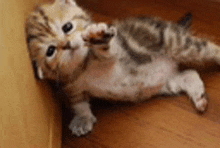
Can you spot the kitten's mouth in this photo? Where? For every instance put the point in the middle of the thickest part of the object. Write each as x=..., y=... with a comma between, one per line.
x=72, y=48
x=68, y=46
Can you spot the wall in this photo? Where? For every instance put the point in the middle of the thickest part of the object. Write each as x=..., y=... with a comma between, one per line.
x=29, y=116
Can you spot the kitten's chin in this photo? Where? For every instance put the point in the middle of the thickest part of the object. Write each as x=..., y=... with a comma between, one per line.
x=80, y=54
x=72, y=59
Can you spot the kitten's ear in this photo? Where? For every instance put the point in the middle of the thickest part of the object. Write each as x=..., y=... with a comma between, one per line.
x=37, y=71
x=186, y=20
x=67, y=2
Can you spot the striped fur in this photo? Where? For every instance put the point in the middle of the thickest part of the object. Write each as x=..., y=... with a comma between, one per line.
x=157, y=36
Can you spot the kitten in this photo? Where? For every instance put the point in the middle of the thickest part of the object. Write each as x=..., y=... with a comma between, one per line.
x=131, y=60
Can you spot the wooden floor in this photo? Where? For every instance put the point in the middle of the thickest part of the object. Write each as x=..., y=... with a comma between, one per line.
x=164, y=121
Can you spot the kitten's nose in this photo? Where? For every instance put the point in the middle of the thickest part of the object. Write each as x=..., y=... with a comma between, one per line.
x=65, y=45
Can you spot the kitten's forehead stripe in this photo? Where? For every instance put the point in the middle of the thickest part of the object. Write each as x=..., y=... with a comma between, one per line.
x=41, y=35
x=45, y=17
x=41, y=28
x=46, y=25
x=35, y=26
x=32, y=37
x=41, y=32
x=83, y=17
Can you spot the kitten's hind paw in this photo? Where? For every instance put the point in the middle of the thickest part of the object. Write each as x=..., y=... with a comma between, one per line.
x=82, y=125
x=96, y=34
x=201, y=103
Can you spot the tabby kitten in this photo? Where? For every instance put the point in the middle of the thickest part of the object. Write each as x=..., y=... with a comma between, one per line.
x=131, y=60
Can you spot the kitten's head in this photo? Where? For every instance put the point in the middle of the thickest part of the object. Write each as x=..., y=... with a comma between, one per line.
x=54, y=38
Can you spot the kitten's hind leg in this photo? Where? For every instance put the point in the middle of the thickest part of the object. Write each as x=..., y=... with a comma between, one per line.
x=190, y=82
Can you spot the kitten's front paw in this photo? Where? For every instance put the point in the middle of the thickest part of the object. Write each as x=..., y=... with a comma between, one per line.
x=81, y=125
x=98, y=34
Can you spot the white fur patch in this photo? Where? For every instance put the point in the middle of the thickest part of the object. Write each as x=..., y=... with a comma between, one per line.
x=40, y=73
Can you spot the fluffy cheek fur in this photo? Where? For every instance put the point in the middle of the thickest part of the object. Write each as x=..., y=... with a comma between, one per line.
x=71, y=60
x=65, y=63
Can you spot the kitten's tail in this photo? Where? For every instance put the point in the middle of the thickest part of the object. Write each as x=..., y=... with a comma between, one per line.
x=184, y=47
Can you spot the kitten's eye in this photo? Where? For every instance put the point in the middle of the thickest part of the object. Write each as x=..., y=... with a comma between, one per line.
x=67, y=27
x=51, y=50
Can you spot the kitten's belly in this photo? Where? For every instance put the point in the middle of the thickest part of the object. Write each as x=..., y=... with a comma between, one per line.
x=125, y=93
x=124, y=86
x=114, y=91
